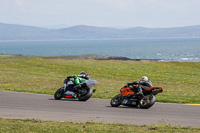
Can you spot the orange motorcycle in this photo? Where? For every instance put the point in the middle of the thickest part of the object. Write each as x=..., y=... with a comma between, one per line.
x=130, y=97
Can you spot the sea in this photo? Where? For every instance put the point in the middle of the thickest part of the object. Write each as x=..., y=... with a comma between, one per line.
x=182, y=50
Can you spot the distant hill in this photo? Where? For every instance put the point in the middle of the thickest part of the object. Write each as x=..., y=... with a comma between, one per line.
x=21, y=32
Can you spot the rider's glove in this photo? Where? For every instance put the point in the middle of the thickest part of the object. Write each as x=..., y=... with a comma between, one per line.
x=65, y=81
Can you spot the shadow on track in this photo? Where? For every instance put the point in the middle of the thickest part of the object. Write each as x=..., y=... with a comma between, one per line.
x=124, y=107
x=67, y=99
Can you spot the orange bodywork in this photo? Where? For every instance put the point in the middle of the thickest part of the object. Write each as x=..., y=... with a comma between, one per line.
x=153, y=87
x=126, y=91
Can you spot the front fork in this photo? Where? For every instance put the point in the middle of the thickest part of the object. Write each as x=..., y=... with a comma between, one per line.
x=64, y=87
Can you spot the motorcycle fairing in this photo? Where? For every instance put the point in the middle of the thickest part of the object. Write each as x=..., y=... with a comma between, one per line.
x=70, y=94
x=154, y=90
x=126, y=91
x=129, y=101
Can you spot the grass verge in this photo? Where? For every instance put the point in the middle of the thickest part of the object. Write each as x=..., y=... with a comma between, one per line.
x=180, y=80
x=38, y=126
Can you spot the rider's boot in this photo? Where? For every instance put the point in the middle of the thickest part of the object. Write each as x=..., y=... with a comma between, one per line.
x=139, y=92
x=76, y=87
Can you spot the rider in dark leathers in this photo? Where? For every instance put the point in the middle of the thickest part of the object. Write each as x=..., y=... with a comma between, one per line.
x=144, y=83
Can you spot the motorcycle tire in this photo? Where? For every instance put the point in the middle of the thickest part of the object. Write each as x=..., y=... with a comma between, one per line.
x=145, y=104
x=86, y=96
x=116, y=101
x=59, y=94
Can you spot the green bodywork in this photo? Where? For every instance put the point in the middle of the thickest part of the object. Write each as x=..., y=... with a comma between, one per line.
x=79, y=78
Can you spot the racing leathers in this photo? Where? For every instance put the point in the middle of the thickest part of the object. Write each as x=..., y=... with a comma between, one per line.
x=78, y=79
x=141, y=86
x=145, y=84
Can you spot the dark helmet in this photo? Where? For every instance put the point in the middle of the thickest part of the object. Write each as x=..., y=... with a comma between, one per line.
x=83, y=72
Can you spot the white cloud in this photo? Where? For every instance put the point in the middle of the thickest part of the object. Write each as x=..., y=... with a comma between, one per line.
x=149, y=13
x=21, y=5
x=20, y=2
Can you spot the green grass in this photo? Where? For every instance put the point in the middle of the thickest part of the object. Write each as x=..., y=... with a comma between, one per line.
x=88, y=56
x=38, y=126
x=6, y=56
x=180, y=80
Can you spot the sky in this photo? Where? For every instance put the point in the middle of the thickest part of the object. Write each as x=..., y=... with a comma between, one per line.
x=101, y=13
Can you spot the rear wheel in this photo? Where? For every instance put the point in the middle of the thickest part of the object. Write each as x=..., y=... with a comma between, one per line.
x=59, y=94
x=86, y=95
x=147, y=101
x=116, y=101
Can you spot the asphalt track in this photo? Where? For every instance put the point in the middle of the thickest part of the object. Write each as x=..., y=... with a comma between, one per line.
x=44, y=107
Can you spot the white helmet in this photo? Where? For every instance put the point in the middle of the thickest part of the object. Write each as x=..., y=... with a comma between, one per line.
x=144, y=78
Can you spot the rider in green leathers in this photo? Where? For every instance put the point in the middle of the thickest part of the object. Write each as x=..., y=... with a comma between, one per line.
x=79, y=78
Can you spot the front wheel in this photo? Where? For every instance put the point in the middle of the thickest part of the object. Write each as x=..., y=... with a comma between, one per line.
x=147, y=101
x=116, y=101
x=59, y=94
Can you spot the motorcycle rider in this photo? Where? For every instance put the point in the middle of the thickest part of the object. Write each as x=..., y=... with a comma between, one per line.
x=79, y=78
x=144, y=83
x=86, y=75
